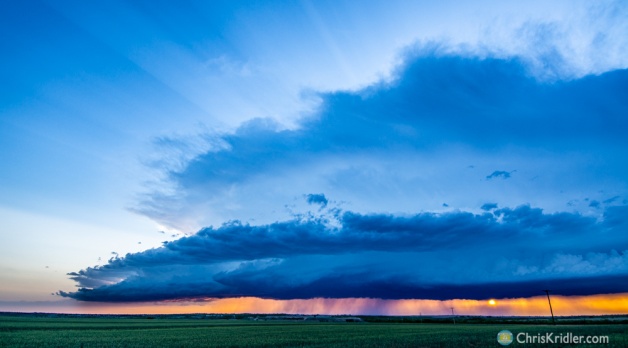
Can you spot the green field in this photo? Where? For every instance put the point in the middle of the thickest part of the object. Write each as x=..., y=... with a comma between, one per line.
x=26, y=331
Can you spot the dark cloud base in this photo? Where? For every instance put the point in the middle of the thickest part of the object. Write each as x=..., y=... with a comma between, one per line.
x=342, y=287
x=345, y=287
x=506, y=253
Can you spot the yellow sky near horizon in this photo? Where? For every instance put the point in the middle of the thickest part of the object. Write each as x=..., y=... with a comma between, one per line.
x=610, y=304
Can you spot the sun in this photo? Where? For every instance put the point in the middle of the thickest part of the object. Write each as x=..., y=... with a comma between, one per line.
x=492, y=302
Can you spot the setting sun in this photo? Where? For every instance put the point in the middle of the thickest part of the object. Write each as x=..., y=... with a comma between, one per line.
x=492, y=302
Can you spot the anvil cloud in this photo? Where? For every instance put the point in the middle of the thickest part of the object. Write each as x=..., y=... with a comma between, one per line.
x=423, y=139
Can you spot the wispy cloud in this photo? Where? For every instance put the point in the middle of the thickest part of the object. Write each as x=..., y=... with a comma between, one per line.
x=498, y=174
x=611, y=200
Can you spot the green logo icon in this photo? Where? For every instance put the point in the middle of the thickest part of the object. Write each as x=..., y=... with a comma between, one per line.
x=504, y=337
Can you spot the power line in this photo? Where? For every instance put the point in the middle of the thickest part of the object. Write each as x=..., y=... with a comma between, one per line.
x=550, y=305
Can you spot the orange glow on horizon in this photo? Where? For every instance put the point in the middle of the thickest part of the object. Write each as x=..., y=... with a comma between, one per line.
x=533, y=306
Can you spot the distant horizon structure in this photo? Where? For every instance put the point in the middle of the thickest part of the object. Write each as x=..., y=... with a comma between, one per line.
x=550, y=306
x=453, y=316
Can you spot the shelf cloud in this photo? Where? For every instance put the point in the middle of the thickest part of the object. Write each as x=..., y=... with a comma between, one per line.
x=509, y=252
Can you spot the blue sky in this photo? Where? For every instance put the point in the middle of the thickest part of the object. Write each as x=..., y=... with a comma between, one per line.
x=309, y=142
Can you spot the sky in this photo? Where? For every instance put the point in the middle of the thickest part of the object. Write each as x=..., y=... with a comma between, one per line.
x=334, y=157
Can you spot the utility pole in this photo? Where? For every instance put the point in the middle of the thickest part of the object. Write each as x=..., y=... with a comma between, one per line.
x=550, y=305
x=453, y=316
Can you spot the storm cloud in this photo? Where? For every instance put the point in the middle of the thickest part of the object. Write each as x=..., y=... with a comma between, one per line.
x=510, y=252
x=387, y=152
x=411, y=138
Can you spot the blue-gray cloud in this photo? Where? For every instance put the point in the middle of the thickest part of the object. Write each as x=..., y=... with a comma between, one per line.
x=319, y=199
x=488, y=206
x=611, y=200
x=498, y=174
x=434, y=103
x=347, y=254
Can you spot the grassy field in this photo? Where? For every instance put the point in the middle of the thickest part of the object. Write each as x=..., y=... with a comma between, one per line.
x=23, y=331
